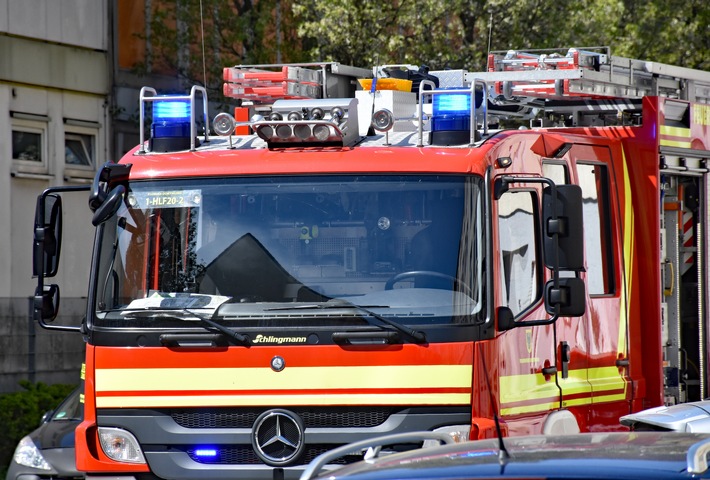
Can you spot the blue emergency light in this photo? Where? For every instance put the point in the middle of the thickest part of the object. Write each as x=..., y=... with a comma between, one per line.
x=451, y=117
x=171, y=109
x=172, y=122
x=173, y=126
x=206, y=453
x=452, y=104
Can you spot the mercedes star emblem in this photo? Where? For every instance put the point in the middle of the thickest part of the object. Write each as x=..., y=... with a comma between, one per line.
x=278, y=437
x=278, y=364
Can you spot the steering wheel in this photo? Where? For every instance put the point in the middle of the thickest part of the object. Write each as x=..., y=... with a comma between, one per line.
x=458, y=285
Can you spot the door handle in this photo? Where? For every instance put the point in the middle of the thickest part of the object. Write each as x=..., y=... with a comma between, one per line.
x=565, y=357
x=622, y=362
x=196, y=340
x=366, y=338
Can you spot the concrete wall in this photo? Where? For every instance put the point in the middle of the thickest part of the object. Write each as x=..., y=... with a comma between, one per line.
x=81, y=23
x=54, y=83
x=35, y=354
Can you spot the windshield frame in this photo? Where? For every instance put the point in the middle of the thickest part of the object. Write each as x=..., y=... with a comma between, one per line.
x=473, y=182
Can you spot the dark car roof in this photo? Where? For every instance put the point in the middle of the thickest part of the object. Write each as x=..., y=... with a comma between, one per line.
x=621, y=455
x=58, y=430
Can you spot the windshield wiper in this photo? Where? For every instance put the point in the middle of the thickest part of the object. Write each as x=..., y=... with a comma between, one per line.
x=417, y=335
x=177, y=315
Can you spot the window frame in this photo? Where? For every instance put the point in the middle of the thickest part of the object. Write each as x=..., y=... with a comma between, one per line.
x=37, y=127
x=75, y=170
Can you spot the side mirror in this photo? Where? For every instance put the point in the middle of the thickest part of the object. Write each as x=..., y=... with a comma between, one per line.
x=568, y=299
x=47, y=235
x=562, y=216
x=110, y=173
x=110, y=205
x=45, y=254
x=47, y=302
x=506, y=319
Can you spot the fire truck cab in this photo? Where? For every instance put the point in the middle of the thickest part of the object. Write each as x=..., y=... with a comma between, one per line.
x=355, y=252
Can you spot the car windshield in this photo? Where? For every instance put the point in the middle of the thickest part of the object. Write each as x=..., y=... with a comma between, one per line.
x=404, y=246
x=71, y=408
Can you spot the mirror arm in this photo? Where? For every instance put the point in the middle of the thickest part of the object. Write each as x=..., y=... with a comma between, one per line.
x=63, y=328
x=528, y=323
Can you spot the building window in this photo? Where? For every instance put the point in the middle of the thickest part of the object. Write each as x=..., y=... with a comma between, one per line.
x=79, y=150
x=80, y=147
x=29, y=146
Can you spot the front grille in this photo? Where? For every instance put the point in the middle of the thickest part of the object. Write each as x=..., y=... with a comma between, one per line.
x=52, y=477
x=215, y=418
x=244, y=455
x=346, y=417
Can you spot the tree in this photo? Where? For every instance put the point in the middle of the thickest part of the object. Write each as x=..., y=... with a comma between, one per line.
x=674, y=32
x=459, y=33
x=196, y=39
x=365, y=33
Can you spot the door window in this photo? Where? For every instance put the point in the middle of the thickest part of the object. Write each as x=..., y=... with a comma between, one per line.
x=593, y=179
x=518, y=254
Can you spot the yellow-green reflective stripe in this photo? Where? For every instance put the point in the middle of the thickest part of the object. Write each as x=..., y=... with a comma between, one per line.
x=592, y=381
x=538, y=407
x=674, y=143
x=302, y=378
x=675, y=131
x=520, y=388
x=286, y=400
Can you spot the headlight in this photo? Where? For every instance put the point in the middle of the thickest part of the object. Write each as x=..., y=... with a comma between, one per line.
x=459, y=433
x=28, y=454
x=120, y=445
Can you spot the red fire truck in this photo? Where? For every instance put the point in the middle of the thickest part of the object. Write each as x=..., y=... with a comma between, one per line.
x=359, y=252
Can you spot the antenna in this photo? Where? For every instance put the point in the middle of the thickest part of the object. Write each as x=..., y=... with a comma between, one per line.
x=490, y=37
x=202, y=34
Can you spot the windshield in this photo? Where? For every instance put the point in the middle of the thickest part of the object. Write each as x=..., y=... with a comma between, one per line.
x=406, y=247
x=71, y=408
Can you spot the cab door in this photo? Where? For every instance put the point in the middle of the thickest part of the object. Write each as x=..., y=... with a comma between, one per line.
x=601, y=335
x=528, y=387
x=571, y=342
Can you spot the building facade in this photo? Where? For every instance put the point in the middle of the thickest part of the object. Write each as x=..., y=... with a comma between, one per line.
x=54, y=129
x=70, y=76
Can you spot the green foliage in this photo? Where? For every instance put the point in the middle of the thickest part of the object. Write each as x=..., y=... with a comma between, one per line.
x=673, y=31
x=21, y=412
x=459, y=33
x=363, y=33
x=195, y=39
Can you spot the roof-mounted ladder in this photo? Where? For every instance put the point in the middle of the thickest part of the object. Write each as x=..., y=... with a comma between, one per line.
x=592, y=74
x=588, y=78
x=266, y=83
